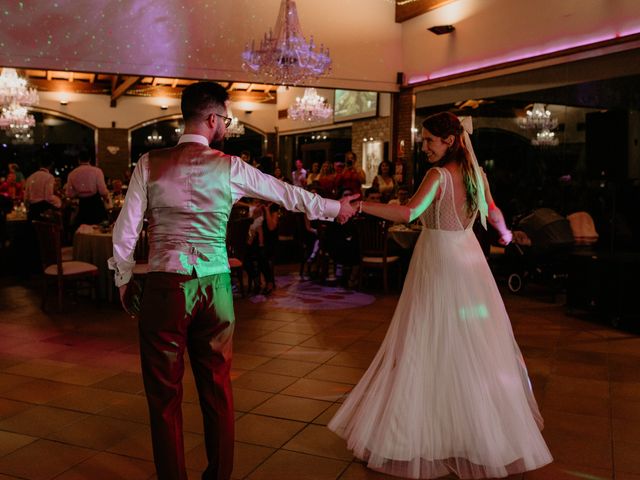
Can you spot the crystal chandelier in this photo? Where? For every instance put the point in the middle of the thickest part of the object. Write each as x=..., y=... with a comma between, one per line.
x=235, y=128
x=286, y=57
x=545, y=138
x=310, y=107
x=154, y=139
x=16, y=117
x=538, y=118
x=14, y=90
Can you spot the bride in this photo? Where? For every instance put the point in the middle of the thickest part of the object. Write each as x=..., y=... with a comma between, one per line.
x=448, y=391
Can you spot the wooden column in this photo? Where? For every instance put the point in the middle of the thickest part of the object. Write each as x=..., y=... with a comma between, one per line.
x=404, y=115
x=113, y=151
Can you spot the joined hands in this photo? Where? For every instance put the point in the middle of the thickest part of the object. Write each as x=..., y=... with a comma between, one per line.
x=347, y=210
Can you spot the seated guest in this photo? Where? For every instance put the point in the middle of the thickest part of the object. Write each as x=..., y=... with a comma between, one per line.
x=384, y=181
x=87, y=183
x=373, y=195
x=402, y=197
x=11, y=188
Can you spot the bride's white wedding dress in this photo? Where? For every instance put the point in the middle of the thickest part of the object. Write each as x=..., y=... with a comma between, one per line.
x=448, y=391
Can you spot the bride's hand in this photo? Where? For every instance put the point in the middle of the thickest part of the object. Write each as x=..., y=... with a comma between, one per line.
x=505, y=238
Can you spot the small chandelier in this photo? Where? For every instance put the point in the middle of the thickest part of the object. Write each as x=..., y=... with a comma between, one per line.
x=154, y=139
x=310, y=107
x=21, y=136
x=16, y=117
x=14, y=90
x=235, y=128
x=538, y=118
x=287, y=57
x=545, y=138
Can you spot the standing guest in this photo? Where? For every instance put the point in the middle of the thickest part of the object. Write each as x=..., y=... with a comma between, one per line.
x=351, y=178
x=326, y=179
x=38, y=192
x=277, y=173
x=313, y=174
x=448, y=391
x=351, y=158
x=15, y=168
x=188, y=191
x=299, y=175
x=338, y=168
x=87, y=183
x=384, y=181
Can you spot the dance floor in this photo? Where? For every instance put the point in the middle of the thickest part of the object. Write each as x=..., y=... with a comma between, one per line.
x=72, y=404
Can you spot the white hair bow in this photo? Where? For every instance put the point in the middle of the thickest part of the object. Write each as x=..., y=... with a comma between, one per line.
x=483, y=208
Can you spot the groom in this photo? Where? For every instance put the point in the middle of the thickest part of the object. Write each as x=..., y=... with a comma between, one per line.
x=187, y=193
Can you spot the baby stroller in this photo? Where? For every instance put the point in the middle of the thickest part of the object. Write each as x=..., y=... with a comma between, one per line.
x=539, y=250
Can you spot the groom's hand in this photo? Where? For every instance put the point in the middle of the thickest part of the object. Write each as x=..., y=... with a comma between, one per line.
x=346, y=209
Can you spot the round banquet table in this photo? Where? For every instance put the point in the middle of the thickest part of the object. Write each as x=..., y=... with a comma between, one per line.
x=405, y=237
x=96, y=247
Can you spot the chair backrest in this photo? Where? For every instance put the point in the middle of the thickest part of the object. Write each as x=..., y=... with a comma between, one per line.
x=50, y=243
x=372, y=235
x=237, y=231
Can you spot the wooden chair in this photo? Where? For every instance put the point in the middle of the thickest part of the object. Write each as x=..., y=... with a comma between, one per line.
x=237, y=231
x=49, y=236
x=373, y=241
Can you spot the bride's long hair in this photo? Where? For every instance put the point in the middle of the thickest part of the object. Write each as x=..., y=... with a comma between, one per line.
x=442, y=125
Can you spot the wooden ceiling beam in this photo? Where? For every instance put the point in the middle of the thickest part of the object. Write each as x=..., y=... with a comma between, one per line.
x=407, y=9
x=44, y=85
x=257, y=97
x=123, y=87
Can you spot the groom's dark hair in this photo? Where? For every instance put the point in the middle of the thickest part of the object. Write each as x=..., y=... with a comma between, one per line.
x=200, y=99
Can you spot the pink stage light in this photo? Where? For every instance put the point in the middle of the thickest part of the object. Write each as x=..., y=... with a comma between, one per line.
x=521, y=55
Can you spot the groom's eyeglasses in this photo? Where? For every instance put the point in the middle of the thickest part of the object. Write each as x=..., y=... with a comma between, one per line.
x=227, y=120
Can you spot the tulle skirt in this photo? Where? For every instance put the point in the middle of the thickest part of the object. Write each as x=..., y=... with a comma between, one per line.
x=448, y=391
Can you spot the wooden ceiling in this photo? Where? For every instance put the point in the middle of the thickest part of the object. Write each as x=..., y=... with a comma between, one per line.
x=118, y=85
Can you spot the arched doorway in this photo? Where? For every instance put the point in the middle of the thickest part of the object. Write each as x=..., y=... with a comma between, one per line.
x=165, y=132
x=54, y=136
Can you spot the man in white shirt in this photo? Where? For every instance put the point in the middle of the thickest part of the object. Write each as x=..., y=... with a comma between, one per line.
x=38, y=191
x=299, y=175
x=187, y=192
x=87, y=183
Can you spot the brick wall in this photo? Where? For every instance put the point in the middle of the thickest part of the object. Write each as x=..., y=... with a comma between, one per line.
x=404, y=108
x=113, y=151
x=378, y=128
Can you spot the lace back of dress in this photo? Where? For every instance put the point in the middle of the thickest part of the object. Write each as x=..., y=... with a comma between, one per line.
x=441, y=214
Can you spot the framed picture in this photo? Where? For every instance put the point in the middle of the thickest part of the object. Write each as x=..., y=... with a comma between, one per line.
x=352, y=105
x=372, y=153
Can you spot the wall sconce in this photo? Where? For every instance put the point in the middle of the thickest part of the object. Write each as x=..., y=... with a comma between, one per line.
x=442, y=29
x=64, y=99
x=164, y=107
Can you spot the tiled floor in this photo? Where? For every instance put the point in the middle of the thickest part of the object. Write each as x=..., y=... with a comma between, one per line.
x=72, y=406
